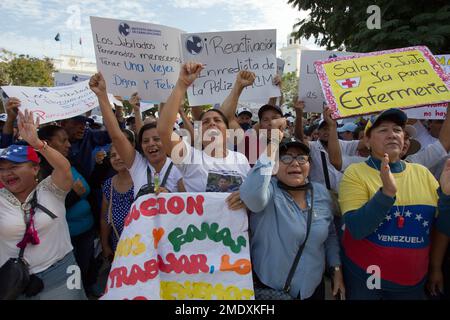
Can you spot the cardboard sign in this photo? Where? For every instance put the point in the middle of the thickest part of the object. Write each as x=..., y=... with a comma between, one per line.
x=182, y=246
x=137, y=57
x=309, y=89
x=55, y=103
x=64, y=79
x=372, y=82
x=224, y=54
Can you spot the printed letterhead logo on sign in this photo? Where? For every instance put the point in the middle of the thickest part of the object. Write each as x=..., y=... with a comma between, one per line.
x=349, y=83
x=194, y=45
x=124, y=29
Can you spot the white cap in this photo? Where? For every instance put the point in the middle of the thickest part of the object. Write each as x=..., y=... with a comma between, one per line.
x=244, y=109
x=290, y=119
x=97, y=119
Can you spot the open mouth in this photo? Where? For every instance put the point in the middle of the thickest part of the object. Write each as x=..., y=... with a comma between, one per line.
x=12, y=182
x=295, y=173
x=153, y=151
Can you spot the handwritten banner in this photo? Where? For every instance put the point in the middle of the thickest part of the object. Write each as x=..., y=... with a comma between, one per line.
x=55, y=103
x=309, y=89
x=372, y=82
x=136, y=56
x=434, y=112
x=64, y=79
x=224, y=54
x=182, y=246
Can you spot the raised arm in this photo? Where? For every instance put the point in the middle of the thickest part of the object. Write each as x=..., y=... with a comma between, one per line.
x=135, y=102
x=334, y=149
x=11, y=109
x=126, y=150
x=298, y=131
x=229, y=105
x=168, y=115
x=61, y=175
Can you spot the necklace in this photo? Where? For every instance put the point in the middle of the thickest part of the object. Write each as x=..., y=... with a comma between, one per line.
x=400, y=217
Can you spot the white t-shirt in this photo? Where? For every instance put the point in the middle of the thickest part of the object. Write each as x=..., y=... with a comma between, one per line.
x=202, y=173
x=348, y=148
x=423, y=136
x=138, y=173
x=53, y=233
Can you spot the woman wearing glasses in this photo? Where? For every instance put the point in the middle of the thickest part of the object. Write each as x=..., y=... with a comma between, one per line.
x=288, y=213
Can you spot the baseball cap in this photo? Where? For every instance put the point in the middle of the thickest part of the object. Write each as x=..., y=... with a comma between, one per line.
x=349, y=126
x=266, y=107
x=81, y=118
x=396, y=115
x=3, y=117
x=19, y=154
x=97, y=119
x=289, y=143
x=244, y=110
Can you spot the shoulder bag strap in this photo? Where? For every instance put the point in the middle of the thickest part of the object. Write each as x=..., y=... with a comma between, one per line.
x=287, y=285
x=34, y=204
x=149, y=176
x=166, y=176
x=110, y=210
x=325, y=169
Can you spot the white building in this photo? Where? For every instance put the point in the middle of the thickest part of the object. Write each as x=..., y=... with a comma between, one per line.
x=291, y=55
x=74, y=64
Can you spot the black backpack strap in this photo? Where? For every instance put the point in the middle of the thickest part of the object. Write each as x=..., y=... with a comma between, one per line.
x=149, y=176
x=166, y=176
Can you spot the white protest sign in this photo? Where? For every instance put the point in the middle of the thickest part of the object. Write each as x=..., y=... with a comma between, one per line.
x=224, y=54
x=146, y=106
x=136, y=56
x=280, y=66
x=55, y=103
x=64, y=79
x=434, y=112
x=182, y=246
x=309, y=89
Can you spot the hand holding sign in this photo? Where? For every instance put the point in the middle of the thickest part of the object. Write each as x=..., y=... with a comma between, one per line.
x=327, y=112
x=11, y=108
x=28, y=128
x=245, y=79
x=189, y=72
x=98, y=84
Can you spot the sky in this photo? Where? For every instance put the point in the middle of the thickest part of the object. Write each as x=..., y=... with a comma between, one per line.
x=30, y=26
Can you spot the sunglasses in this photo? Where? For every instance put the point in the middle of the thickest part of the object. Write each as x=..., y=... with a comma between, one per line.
x=288, y=159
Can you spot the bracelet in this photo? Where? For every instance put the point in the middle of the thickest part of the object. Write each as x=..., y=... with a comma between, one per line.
x=44, y=146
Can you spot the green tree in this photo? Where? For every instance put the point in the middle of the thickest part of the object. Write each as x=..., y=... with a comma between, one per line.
x=289, y=88
x=23, y=70
x=342, y=24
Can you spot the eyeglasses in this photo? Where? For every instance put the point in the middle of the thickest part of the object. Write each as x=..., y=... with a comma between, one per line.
x=288, y=159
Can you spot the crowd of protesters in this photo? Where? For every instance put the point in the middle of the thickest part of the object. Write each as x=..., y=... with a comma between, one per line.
x=325, y=198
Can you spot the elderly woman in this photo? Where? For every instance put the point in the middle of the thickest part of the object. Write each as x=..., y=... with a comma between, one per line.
x=389, y=210
x=291, y=220
x=40, y=230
